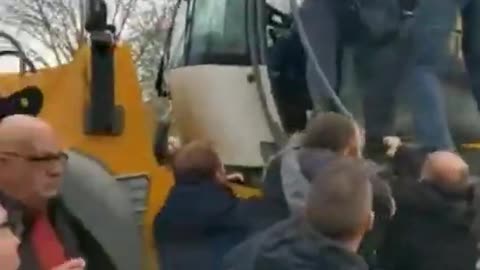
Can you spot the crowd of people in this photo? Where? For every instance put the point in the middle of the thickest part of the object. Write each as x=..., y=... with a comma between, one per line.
x=324, y=206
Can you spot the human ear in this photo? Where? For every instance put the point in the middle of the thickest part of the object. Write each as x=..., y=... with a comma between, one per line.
x=371, y=221
x=353, y=149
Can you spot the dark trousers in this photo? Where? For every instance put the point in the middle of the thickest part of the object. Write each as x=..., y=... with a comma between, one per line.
x=409, y=66
x=321, y=26
x=471, y=44
x=328, y=35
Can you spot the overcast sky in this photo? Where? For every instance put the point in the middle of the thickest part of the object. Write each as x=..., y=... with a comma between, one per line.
x=11, y=63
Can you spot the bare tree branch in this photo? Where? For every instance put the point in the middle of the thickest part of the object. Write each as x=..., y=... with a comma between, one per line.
x=129, y=8
x=143, y=46
x=82, y=21
x=37, y=57
x=58, y=25
x=45, y=22
x=71, y=12
x=118, y=5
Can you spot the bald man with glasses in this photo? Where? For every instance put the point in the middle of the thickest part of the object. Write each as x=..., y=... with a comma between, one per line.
x=32, y=165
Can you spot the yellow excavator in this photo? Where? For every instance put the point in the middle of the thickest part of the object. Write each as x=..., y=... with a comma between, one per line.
x=216, y=72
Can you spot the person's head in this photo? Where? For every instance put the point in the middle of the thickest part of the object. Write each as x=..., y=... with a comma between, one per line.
x=9, y=257
x=408, y=164
x=340, y=202
x=445, y=168
x=31, y=160
x=336, y=133
x=198, y=161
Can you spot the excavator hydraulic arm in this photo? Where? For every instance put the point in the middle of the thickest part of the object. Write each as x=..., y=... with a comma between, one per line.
x=102, y=116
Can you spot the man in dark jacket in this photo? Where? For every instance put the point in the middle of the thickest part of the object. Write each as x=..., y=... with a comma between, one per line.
x=201, y=219
x=287, y=179
x=432, y=227
x=31, y=169
x=286, y=182
x=326, y=235
x=327, y=137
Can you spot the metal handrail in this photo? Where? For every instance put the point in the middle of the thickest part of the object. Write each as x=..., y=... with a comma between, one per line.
x=18, y=52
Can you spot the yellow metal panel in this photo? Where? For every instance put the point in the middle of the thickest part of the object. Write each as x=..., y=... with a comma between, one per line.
x=245, y=192
x=66, y=92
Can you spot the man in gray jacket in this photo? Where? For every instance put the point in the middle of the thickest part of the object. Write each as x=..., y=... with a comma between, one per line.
x=288, y=176
x=286, y=182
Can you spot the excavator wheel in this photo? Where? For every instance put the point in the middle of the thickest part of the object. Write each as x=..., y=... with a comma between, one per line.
x=97, y=200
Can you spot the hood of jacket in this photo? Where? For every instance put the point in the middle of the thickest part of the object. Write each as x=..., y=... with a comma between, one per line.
x=196, y=204
x=292, y=244
x=451, y=204
x=298, y=165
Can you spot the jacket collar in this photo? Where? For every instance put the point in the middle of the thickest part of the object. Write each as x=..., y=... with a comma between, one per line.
x=18, y=214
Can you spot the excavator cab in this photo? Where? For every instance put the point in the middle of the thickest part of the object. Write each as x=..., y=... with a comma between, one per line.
x=215, y=72
x=235, y=73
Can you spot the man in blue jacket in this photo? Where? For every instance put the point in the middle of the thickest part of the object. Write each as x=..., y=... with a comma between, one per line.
x=202, y=219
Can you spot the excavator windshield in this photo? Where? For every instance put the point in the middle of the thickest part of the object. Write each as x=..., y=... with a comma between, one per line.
x=210, y=32
x=218, y=33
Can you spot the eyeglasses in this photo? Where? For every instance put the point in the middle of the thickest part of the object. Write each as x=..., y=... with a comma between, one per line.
x=47, y=158
x=6, y=225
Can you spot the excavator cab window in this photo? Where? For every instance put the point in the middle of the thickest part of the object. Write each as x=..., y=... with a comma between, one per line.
x=218, y=33
x=206, y=32
x=279, y=22
x=175, y=54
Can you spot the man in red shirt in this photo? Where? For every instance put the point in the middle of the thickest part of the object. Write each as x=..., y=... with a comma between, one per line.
x=31, y=169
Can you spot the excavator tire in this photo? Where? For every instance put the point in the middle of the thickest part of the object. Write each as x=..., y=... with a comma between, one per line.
x=97, y=200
